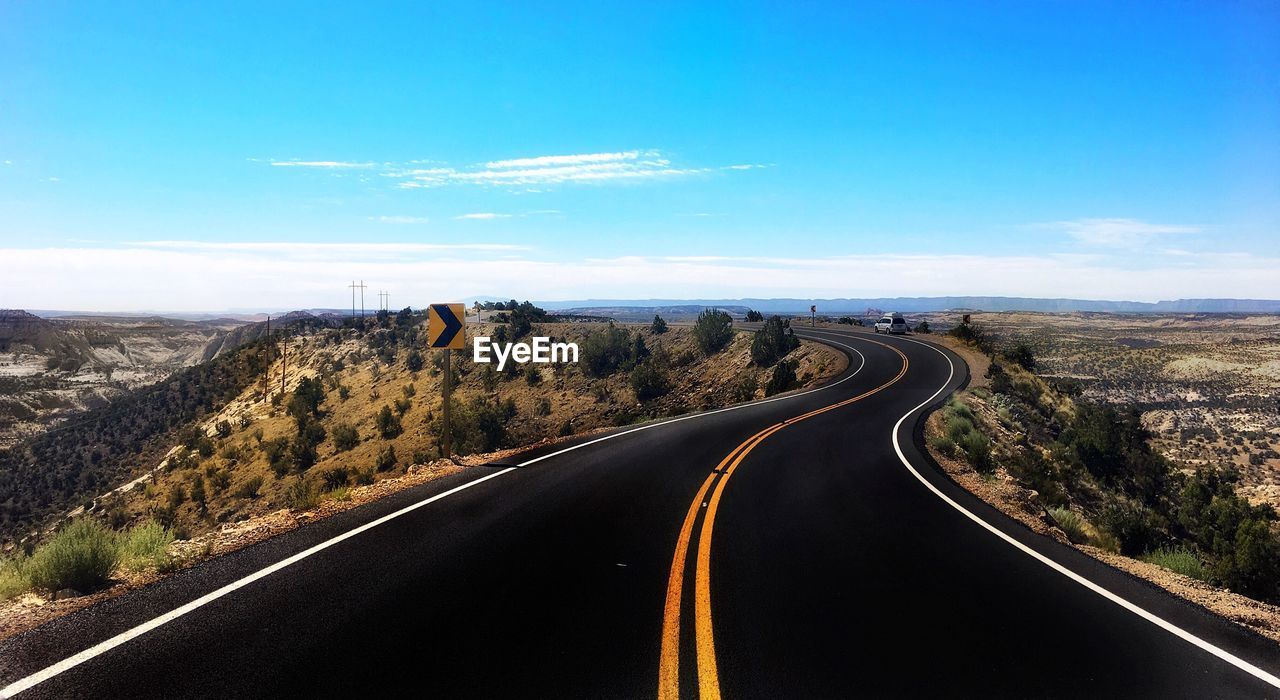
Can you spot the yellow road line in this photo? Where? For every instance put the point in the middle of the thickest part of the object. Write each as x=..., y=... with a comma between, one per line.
x=708, y=673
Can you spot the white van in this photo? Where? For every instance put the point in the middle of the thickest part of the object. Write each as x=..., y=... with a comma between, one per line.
x=892, y=323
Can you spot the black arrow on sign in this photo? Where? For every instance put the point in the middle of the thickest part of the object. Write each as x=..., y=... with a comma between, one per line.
x=451, y=325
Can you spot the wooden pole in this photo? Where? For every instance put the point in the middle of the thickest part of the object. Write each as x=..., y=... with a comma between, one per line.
x=447, y=446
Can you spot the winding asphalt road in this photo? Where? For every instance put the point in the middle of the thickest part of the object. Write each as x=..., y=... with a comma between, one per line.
x=796, y=547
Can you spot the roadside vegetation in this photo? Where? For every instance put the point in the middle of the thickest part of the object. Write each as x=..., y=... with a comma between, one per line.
x=84, y=556
x=1095, y=476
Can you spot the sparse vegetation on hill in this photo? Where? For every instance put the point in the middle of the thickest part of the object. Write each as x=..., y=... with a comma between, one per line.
x=713, y=330
x=1095, y=475
x=362, y=403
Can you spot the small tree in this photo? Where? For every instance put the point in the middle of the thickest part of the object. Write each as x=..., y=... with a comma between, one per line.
x=345, y=437
x=782, y=379
x=649, y=380
x=659, y=326
x=713, y=330
x=923, y=327
x=414, y=362
x=754, y=316
x=388, y=424
x=1022, y=355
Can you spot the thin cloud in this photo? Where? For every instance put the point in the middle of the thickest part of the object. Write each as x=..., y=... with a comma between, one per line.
x=579, y=159
x=483, y=215
x=333, y=164
x=530, y=174
x=311, y=247
x=1118, y=233
x=400, y=219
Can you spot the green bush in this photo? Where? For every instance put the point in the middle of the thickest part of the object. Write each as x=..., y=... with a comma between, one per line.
x=1022, y=355
x=1179, y=560
x=81, y=557
x=772, y=342
x=649, y=381
x=388, y=424
x=146, y=546
x=605, y=351
x=782, y=379
x=345, y=437
x=659, y=326
x=1134, y=526
x=335, y=477
x=1071, y=523
x=13, y=582
x=746, y=388
x=943, y=445
x=250, y=487
x=302, y=495
x=712, y=331
x=386, y=459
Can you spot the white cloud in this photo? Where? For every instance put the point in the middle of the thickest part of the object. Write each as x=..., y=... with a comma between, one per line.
x=400, y=219
x=320, y=164
x=579, y=159
x=484, y=215
x=1118, y=233
x=187, y=275
x=529, y=174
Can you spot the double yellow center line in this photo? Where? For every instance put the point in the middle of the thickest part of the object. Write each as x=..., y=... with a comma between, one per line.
x=669, y=664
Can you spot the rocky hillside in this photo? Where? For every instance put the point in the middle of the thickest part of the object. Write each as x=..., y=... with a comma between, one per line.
x=346, y=407
x=51, y=369
x=1089, y=473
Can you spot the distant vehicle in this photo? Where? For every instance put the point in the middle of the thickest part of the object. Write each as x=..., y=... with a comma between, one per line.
x=891, y=323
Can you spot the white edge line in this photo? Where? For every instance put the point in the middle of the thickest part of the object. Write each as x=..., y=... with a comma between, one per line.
x=1131, y=607
x=102, y=647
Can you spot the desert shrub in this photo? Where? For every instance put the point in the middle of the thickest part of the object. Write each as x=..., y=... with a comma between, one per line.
x=1133, y=525
x=335, y=477
x=388, y=424
x=754, y=316
x=782, y=379
x=605, y=351
x=302, y=451
x=146, y=545
x=1022, y=355
x=414, y=361
x=649, y=380
x=543, y=406
x=712, y=331
x=532, y=375
x=772, y=342
x=277, y=451
x=1113, y=446
x=943, y=445
x=364, y=477
x=386, y=458
x=177, y=495
x=566, y=428
x=302, y=495
x=923, y=327
x=1179, y=560
x=13, y=581
x=343, y=393
x=745, y=388
x=341, y=493
x=977, y=450
x=1070, y=522
x=972, y=333
x=249, y=487
x=222, y=428
x=402, y=406
x=81, y=556
x=345, y=437
x=305, y=403
x=659, y=326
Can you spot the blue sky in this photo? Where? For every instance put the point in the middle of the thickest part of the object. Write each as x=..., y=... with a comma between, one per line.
x=178, y=157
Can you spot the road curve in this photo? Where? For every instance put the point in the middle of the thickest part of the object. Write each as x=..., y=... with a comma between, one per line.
x=822, y=556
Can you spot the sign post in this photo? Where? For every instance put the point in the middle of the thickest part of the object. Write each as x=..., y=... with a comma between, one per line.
x=446, y=330
x=813, y=315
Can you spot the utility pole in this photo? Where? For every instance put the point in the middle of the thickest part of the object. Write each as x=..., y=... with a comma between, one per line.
x=353, y=298
x=284, y=360
x=362, y=288
x=266, y=360
x=384, y=301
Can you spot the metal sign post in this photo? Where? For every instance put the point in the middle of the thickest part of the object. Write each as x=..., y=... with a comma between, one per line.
x=813, y=315
x=446, y=330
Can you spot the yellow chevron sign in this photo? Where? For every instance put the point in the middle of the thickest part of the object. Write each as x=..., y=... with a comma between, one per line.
x=446, y=326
